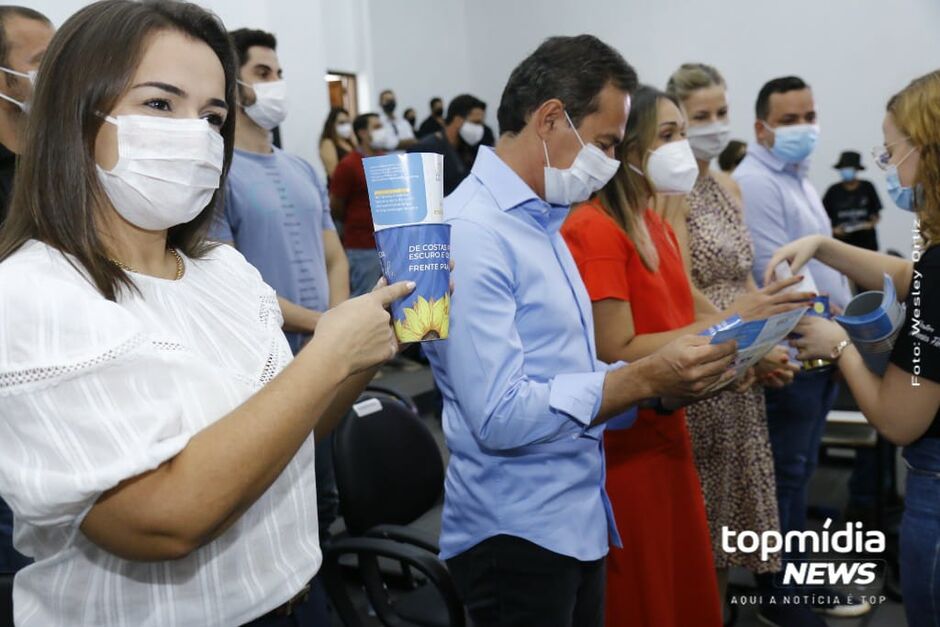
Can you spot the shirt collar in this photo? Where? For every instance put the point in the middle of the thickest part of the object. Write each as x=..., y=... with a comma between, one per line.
x=775, y=163
x=511, y=192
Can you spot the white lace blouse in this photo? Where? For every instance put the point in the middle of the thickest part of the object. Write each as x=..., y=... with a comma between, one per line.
x=93, y=392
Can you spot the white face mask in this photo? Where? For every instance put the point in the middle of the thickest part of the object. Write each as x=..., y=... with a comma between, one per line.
x=30, y=76
x=471, y=132
x=167, y=169
x=270, y=106
x=589, y=172
x=383, y=138
x=672, y=168
x=344, y=130
x=708, y=140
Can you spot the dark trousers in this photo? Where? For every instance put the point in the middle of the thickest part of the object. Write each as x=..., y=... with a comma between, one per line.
x=306, y=614
x=506, y=581
x=920, y=534
x=796, y=418
x=10, y=560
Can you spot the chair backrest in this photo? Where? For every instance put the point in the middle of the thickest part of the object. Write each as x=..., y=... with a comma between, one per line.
x=6, y=599
x=388, y=466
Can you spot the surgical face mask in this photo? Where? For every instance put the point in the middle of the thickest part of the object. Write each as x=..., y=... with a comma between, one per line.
x=471, y=132
x=389, y=107
x=794, y=144
x=166, y=172
x=270, y=106
x=381, y=137
x=902, y=196
x=30, y=76
x=589, y=172
x=438, y=112
x=344, y=130
x=672, y=168
x=847, y=174
x=708, y=140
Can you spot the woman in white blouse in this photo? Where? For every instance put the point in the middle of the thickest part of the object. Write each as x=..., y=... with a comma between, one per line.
x=156, y=440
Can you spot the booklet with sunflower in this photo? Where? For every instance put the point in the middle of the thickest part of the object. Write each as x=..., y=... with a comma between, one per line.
x=406, y=195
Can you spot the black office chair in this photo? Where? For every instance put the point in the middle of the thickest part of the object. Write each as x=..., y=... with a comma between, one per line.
x=6, y=599
x=389, y=473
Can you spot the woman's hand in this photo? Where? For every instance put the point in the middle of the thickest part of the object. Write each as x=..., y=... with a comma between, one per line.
x=770, y=301
x=357, y=333
x=745, y=382
x=819, y=338
x=775, y=369
x=796, y=253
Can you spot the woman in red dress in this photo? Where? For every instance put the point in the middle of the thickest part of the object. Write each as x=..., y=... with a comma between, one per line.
x=631, y=263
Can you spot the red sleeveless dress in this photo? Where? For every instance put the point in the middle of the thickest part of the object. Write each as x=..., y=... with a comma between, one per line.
x=664, y=576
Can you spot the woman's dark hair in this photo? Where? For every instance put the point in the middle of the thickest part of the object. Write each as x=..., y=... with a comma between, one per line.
x=732, y=155
x=571, y=69
x=626, y=194
x=86, y=69
x=329, y=127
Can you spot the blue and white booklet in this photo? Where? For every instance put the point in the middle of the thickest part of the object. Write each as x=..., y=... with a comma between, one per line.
x=755, y=338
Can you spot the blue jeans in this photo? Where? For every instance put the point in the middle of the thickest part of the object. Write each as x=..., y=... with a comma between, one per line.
x=364, y=270
x=920, y=534
x=796, y=418
x=10, y=559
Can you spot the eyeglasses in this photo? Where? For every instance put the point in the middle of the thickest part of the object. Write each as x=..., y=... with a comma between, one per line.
x=882, y=156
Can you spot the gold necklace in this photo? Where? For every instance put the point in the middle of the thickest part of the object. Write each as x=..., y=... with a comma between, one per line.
x=179, y=265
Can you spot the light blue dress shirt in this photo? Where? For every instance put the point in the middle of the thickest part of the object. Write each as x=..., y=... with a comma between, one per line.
x=780, y=206
x=520, y=376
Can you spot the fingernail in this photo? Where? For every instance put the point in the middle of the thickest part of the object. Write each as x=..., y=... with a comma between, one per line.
x=411, y=285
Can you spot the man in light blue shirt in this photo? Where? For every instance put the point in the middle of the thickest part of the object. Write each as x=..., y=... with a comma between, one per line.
x=781, y=205
x=526, y=519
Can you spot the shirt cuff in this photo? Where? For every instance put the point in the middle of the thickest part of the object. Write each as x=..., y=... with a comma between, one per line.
x=578, y=395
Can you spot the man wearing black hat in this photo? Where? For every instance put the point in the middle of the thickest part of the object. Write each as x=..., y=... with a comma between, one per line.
x=853, y=205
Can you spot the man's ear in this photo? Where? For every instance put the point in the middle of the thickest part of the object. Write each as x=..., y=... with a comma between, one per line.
x=245, y=96
x=549, y=117
x=761, y=133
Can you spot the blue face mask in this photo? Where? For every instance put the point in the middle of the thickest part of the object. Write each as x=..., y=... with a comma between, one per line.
x=794, y=144
x=902, y=196
x=847, y=174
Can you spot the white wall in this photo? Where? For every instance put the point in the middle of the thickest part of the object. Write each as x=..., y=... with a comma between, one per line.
x=420, y=50
x=302, y=50
x=854, y=53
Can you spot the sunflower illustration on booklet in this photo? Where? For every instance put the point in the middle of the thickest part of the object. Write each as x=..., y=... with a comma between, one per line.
x=406, y=195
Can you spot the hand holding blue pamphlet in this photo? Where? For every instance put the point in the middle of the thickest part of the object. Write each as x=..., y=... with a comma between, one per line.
x=755, y=338
x=407, y=201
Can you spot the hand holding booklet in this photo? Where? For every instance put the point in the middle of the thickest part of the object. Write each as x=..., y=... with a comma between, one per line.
x=755, y=338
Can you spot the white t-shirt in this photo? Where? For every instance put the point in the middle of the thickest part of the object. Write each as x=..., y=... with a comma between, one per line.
x=399, y=126
x=93, y=392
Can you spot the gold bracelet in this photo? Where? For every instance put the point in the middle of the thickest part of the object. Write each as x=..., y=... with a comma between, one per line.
x=837, y=351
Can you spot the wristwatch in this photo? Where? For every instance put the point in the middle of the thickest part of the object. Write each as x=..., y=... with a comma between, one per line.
x=837, y=351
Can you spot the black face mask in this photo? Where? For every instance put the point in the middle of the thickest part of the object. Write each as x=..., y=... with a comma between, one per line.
x=389, y=106
x=438, y=113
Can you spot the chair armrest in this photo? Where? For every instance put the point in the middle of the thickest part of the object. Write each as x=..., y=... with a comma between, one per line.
x=407, y=535
x=368, y=549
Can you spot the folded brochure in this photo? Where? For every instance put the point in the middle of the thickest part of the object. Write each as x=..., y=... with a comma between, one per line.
x=755, y=338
